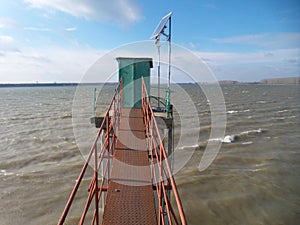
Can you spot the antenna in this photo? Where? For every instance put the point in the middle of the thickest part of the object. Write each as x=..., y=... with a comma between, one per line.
x=160, y=29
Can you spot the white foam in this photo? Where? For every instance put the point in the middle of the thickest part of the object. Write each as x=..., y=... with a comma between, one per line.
x=282, y=111
x=235, y=111
x=216, y=139
x=232, y=138
x=290, y=117
x=259, y=130
x=5, y=173
x=247, y=143
x=66, y=116
x=228, y=139
x=232, y=111
x=261, y=102
x=187, y=146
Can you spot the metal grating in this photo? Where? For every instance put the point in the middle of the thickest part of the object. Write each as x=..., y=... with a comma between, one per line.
x=130, y=198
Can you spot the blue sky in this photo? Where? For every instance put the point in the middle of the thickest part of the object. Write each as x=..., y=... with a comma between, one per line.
x=58, y=40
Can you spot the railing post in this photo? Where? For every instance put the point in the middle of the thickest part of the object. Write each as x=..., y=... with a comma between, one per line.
x=162, y=165
x=95, y=99
x=94, y=191
x=108, y=144
x=96, y=184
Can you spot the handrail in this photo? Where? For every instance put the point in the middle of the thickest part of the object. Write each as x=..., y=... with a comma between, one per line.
x=95, y=190
x=161, y=170
x=162, y=177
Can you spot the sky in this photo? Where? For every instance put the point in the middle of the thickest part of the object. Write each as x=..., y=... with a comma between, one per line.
x=59, y=40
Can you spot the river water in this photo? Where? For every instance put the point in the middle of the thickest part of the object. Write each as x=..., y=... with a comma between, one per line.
x=254, y=178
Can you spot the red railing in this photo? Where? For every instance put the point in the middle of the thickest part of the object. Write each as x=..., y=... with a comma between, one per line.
x=161, y=171
x=102, y=159
x=101, y=156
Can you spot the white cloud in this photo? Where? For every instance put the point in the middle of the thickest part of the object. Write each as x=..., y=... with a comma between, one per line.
x=71, y=29
x=46, y=64
x=274, y=56
x=4, y=39
x=8, y=23
x=279, y=40
x=38, y=29
x=253, y=66
x=123, y=12
x=62, y=64
x=7, y=44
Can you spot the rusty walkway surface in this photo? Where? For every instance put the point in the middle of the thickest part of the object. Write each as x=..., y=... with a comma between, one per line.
x=134, y=184
x=130, y=198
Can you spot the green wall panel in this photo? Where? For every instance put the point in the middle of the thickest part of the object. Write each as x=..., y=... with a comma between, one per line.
x=131, y=70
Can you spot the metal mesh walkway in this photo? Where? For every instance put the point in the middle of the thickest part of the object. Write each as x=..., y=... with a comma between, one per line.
x=130, y=198
x=136, y=178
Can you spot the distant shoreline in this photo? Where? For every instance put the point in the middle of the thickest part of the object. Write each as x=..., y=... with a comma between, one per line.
x=51, y=84
x=38, y=85
x=269, y=81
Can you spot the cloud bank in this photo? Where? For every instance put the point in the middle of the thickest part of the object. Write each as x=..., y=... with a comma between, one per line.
x=266, y=40
x=61, y=64
x=53, y=64
x=122, y=12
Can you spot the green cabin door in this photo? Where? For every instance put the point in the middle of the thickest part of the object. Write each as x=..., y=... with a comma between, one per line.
x=131, y=70
x=128, y=90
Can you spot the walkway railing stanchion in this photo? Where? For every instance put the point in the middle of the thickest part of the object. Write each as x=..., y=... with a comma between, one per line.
x=159, y=163
x=95, y=191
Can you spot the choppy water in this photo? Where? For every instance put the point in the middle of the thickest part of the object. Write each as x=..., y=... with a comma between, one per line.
x=253, y=180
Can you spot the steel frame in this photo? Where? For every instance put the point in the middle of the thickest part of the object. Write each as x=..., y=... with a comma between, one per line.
x=109, y=126
x=161, y=171
x=162, y=176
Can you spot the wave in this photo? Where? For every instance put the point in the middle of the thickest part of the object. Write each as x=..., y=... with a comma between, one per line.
x=235, y=137
x=247, y=143
x=248, y=132
x=66, y=116
x=187, y=146
x=241, y=138
x=261, y=102
x=232, y=111
x=236, y=111
x=282, y=111
x=6, y=173
x=226, y=139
